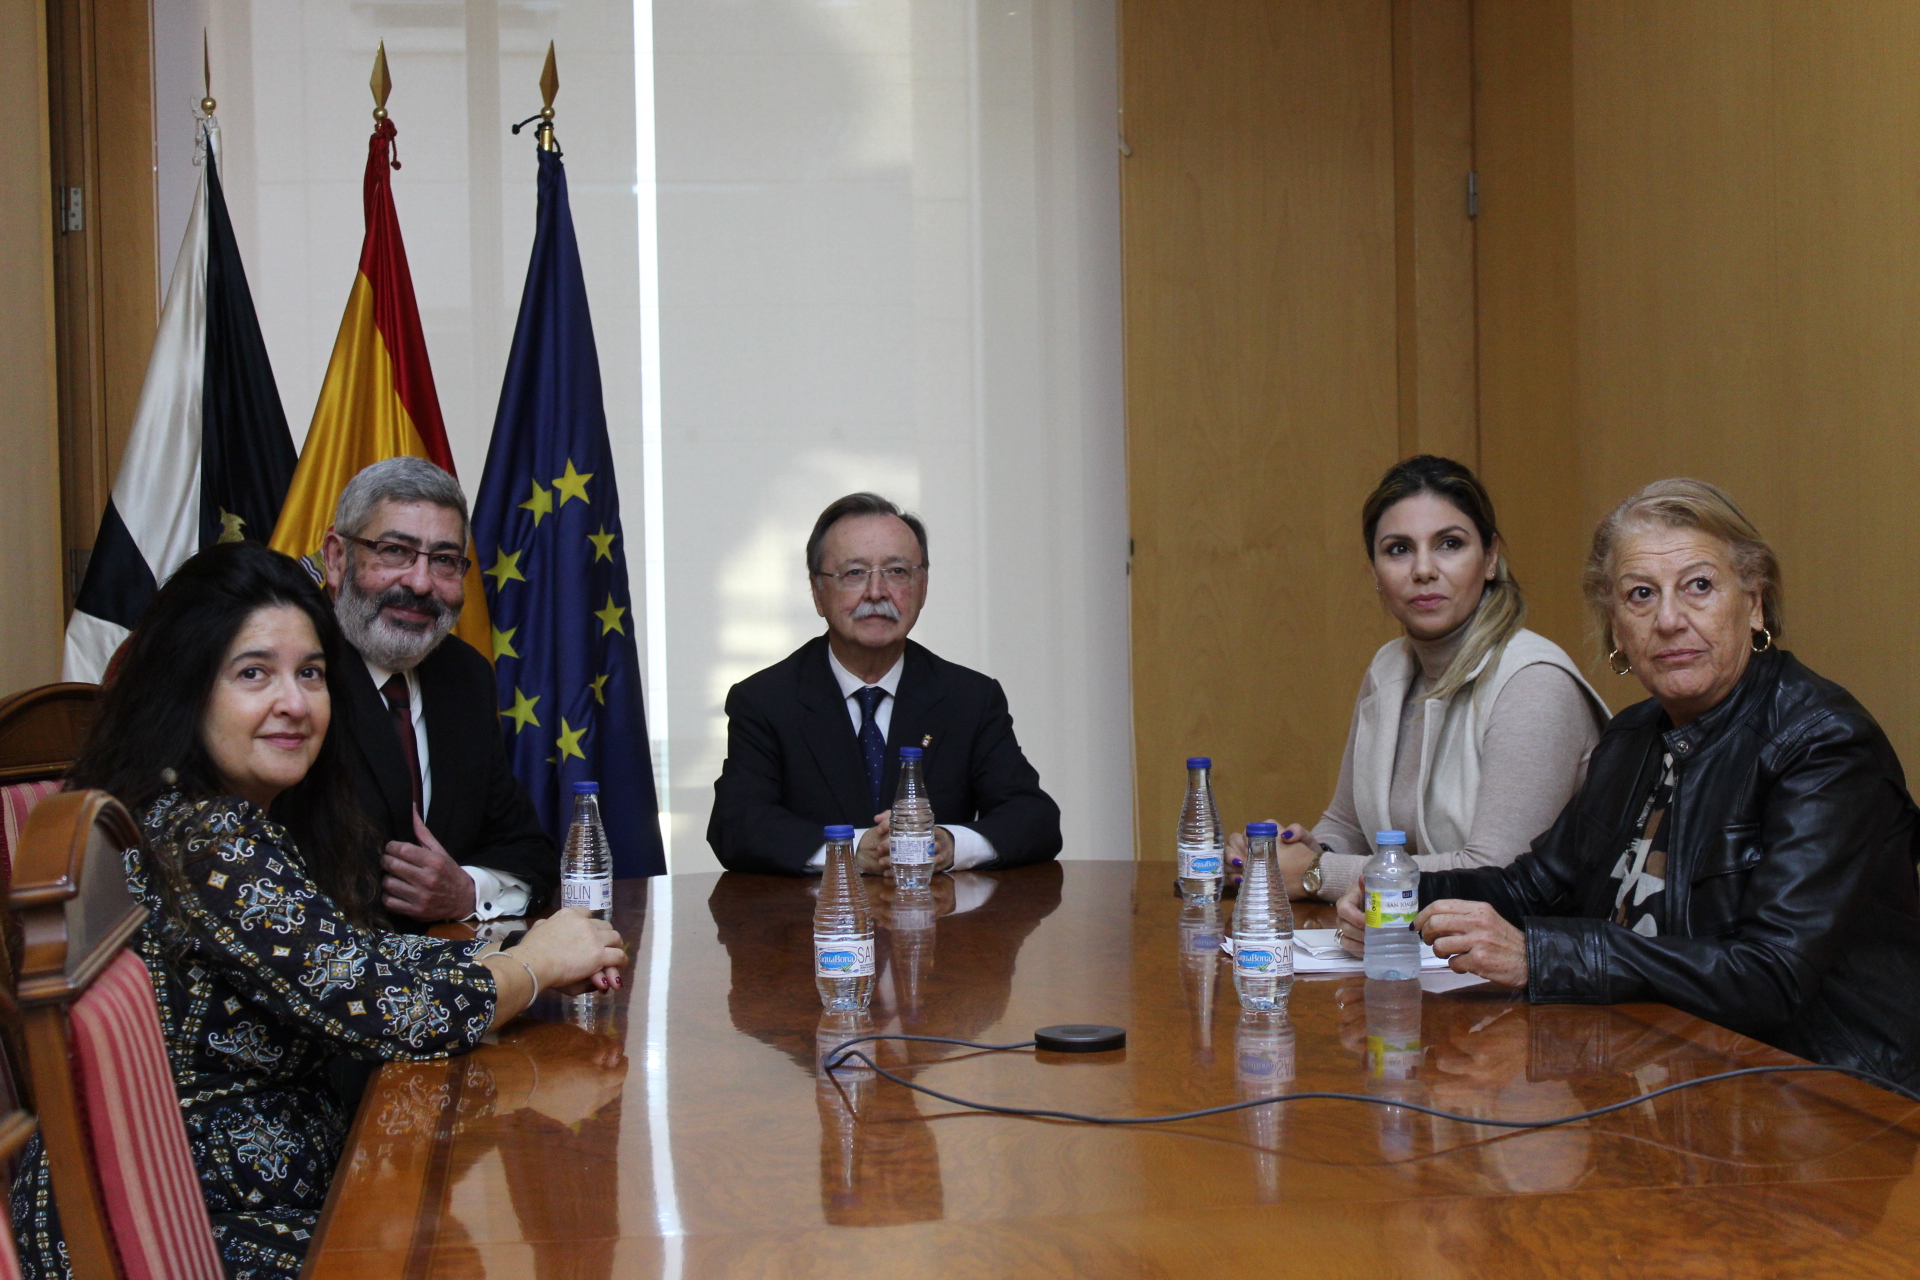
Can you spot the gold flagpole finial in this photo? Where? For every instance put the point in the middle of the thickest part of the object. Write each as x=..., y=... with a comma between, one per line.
x=381, y=84
x=549, y=86
x=207, y=104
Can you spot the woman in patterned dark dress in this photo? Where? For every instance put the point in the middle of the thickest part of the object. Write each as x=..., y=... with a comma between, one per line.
x=262, y=938
x=1743, y=847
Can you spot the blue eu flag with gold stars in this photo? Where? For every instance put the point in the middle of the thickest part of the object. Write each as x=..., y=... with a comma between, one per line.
x=546, y=525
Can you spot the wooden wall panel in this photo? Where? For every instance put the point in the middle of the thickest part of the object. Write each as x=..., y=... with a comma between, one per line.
x=1261, y=317
x=30, y=615
x=1524, y=284
x=107, y=270
x=1434, y=237
x=1699, y=254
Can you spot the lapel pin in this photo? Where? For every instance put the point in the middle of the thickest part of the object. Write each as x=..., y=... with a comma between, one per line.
x=926, y=742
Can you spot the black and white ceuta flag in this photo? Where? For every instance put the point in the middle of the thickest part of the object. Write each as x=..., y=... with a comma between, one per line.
x=209, y=458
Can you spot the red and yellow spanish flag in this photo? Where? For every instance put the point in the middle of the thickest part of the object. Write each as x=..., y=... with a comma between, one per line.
x=378, y=400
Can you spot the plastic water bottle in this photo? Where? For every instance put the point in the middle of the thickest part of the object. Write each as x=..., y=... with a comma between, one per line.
x=1394, y=1055
x=1203, y=844
x=1262, y=926
x=912, y=838
x=586, y=868
x=1393, y=899
x=1263, y=1067
x=842, y=931
x=1200, y=958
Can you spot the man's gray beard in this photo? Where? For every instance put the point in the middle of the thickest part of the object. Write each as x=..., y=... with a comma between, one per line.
x=386, y=646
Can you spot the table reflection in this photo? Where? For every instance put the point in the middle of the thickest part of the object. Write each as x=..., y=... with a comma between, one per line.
x=1263, y=1049
x=1394, y=1056
x=546, y=1104
x=954, y=949
x=1201, y=929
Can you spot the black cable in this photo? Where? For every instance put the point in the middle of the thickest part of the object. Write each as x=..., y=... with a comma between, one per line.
x=965, y=1044
x=840, y=1054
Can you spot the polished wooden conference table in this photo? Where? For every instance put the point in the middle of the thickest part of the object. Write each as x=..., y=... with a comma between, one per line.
x=681, y=1127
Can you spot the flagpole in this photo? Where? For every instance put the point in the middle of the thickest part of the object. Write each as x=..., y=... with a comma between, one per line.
x=207, y=104
x=549, y=86
x=381, y=83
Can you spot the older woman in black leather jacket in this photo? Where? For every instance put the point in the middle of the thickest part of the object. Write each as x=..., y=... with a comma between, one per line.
x=1744, y=845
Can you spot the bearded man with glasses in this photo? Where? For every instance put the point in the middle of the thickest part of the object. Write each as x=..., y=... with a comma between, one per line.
x=815, y=738
x=463, y=840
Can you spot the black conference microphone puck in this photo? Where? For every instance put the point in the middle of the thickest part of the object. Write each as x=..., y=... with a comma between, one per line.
x=1080, y=1037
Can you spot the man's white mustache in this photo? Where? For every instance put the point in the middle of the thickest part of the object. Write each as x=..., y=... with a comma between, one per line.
x=877, y=609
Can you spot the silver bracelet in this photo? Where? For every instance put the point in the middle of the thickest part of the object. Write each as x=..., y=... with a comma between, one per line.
x=530, y=973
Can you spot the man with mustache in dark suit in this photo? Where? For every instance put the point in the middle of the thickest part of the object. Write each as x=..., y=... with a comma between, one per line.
x=815, y=738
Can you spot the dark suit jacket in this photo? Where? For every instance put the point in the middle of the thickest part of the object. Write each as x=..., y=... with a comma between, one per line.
x=793, y=763
x=480, y=812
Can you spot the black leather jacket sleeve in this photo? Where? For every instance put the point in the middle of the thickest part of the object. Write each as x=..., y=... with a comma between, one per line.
x=1791, y=882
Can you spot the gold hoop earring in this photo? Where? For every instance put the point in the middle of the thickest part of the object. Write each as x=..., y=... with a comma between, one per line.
x=1618, y=670
x=1762, y=648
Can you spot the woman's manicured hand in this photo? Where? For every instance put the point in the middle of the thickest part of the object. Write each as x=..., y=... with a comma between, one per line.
x=570, y=947
x=1294, y=853
x=1351, y=910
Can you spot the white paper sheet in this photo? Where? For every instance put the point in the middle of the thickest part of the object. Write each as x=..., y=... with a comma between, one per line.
x=1319, y=951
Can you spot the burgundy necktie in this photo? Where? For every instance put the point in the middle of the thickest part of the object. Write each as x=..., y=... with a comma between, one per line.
x=400, y=702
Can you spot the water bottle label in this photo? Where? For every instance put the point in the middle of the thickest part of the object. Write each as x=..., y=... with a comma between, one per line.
x=843, y=958
x=1264, y=959
x=1391, y=908
x=911, y=851
x=1200, y=862
x=594, y=893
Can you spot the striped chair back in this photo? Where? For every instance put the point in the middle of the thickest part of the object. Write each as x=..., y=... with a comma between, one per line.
x=130, y=1202
x=145, y=1171
x=16, y=802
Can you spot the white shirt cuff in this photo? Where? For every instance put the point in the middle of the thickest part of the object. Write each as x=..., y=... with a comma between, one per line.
x=970, y=848
x=497, y=894
x=818, y=862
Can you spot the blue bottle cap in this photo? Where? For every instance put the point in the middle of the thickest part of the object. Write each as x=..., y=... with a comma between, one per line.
x=1255, y=830
x=839, y=833
x=1199, y=762
x=909, y=753
x=586, y=788
x=1389, y=837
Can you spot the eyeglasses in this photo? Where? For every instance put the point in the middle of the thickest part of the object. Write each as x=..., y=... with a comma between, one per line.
x=892, y=576
x=398, y=555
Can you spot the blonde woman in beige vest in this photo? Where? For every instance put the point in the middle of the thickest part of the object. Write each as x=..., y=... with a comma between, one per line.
x=1471, y=733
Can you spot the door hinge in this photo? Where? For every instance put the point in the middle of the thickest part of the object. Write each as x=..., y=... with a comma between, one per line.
x=69, y=209
x=1473, y=194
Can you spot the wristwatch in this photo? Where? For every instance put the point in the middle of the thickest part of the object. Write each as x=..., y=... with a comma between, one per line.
x=1310, y=881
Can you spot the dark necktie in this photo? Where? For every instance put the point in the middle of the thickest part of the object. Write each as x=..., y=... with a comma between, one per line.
x=400, y=703
x=873, y=743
